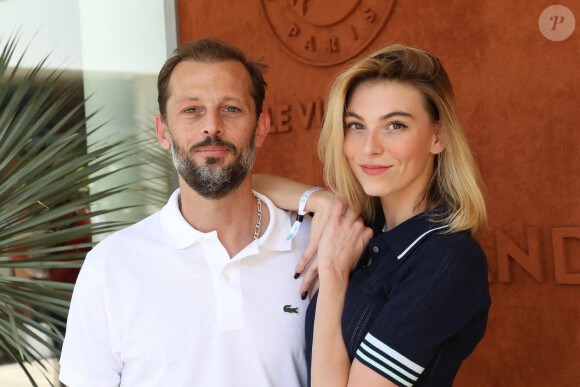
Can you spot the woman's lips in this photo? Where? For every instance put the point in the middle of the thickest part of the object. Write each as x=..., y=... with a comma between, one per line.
x=373, y=169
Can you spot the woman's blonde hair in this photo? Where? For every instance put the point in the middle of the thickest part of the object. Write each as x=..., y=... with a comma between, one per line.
x=456, y=183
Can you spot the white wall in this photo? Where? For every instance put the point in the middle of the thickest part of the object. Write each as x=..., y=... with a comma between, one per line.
x=46, y=27
x=125, y=35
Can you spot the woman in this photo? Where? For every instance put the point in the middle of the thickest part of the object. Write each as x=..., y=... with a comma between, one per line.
x=416, y=303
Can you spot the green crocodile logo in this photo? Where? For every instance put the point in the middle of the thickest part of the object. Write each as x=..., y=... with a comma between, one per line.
x=290, y=309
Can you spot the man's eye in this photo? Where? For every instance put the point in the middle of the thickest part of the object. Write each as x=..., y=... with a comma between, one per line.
x=191, y=110
x=232, y=109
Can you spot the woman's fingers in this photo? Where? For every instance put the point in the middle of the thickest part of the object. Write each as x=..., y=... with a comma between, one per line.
x=307, y=257
x=310, y=279
x=351, y=214
x=337, y=209
x=317, y=226
x=344, y=216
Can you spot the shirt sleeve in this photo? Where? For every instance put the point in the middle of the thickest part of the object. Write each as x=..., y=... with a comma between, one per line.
x=87, y=357
x=433, y=299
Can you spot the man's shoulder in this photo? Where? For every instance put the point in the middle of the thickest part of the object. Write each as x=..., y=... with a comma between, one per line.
x=276, y=213
x=145, y=229
x=279, y=212
x=281, y=222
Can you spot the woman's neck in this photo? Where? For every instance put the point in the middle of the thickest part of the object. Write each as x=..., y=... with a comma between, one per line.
x=398, y=211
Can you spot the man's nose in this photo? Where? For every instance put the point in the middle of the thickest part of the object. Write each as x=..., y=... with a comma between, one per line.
x=213, y=124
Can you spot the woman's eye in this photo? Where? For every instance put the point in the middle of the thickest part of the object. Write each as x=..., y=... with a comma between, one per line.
x=232, y=109
x=354, y=126
x=396, y=125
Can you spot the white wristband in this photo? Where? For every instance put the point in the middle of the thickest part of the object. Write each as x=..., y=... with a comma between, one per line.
x=301, y=212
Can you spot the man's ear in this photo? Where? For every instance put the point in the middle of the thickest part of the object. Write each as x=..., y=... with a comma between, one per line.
x=262, y=129
x=162, y=132
x=439, y=139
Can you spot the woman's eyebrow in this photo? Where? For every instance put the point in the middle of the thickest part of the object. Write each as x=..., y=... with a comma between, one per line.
x=351, y=114
x=397, y=113
x=383, y=117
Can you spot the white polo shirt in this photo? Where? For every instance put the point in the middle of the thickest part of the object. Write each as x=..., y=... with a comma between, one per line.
x=162, y=304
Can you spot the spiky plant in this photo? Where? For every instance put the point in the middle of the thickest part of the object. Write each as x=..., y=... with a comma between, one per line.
x=46, y=169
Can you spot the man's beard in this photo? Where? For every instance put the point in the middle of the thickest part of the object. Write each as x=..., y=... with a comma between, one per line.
x=210, y=180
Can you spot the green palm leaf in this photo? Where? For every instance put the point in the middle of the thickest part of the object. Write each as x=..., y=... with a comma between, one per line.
x=46, y=168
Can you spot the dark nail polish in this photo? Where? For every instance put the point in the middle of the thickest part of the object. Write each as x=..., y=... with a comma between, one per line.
x=296, y=275
x=304, y=295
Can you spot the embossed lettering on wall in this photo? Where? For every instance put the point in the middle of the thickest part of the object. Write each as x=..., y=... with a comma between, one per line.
x=324, y=33
x=532, y=260
x=303, y=115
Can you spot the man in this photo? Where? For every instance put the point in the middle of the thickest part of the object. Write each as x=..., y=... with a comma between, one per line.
x=201, y=293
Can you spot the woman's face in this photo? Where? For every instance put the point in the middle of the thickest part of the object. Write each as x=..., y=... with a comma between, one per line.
x=390, y=140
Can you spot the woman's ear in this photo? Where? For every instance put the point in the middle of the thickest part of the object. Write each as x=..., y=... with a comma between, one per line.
x=439, y=139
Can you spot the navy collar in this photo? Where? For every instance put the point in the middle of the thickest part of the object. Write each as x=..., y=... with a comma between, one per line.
x=405, y=237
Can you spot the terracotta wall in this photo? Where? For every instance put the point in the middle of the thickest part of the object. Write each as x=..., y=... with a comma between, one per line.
x=518, y=98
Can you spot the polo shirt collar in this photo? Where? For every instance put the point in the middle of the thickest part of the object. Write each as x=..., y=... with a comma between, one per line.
x=403, y=238
x=180, y=234
x=280, y=223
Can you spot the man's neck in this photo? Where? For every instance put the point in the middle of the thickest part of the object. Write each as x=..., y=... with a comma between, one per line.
x=233, y=216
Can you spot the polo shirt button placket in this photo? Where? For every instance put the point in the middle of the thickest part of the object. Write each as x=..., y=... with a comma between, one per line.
x=376, y=249
x=230, y=305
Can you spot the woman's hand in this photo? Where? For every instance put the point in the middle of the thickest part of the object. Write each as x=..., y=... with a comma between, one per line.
x=342, y=242
x=337, y=227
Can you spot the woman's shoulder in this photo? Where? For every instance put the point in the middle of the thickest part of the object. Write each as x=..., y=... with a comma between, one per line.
x=456, y=241
x=458, y=251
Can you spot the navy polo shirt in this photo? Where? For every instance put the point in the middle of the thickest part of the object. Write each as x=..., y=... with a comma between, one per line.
x=416, y=305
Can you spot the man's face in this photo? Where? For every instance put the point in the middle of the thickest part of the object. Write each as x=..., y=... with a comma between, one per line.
x=211, y=180
x=211, y=126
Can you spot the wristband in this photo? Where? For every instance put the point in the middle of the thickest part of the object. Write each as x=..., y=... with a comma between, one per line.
x=301, y=212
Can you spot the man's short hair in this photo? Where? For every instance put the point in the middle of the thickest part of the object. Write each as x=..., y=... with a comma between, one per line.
x=211, y=51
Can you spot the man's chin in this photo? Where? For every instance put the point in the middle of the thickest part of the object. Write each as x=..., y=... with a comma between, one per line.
x=217, y=162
